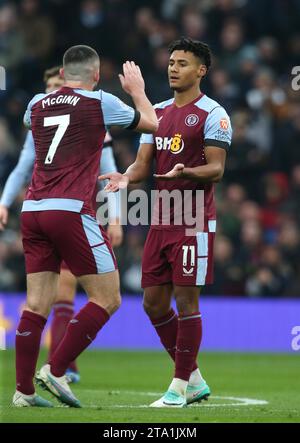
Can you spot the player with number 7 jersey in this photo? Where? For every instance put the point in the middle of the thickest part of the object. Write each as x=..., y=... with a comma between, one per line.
x=58, y=221
x=68, y=126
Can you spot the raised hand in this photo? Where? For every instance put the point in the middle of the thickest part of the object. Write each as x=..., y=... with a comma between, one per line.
x=132, y=80
x=175, y=173
x=116, y=181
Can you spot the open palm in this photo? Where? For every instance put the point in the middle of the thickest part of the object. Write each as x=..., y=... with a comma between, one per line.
x=176, y=172
x=116, y=181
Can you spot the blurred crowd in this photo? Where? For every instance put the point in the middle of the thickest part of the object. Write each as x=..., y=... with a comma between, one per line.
x=255, y=45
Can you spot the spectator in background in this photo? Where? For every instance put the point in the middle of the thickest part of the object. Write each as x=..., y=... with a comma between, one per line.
x=130, y=260
x=12, y=276
x=158, y=76
x=292, y=204
x=229, y=274
x=275, y=191
x=245, y=163
x=266, y=93
x=228, y=208
x=14, y=109
x=38, y=34
x=269, y=53
x=271, y=276
x=224, y=90
x=38, y=30
x=289, y=243
x=11, y=42
x=109, y=79
x=256, y=43
x=91, y=27
x=231, y=43
x=193, y=24
x=248, y=65
x=249, y=211
x=290, y=155
x=252, y=245
x=8, y=153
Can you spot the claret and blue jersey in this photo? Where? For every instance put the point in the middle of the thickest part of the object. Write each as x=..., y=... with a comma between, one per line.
x=183, y=134
x=68, y=127
x=185, y=258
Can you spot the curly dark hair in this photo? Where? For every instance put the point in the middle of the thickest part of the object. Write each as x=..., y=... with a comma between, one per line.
x=199, y=49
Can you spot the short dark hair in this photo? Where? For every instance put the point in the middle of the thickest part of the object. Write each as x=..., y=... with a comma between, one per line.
x=51, y=72
x=199, y=49
x=79, y=54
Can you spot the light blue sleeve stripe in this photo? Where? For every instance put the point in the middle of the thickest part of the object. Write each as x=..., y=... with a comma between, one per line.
x=213, y=128
x=52, y=204
x=102, y=255
x=108, y=164
x=116, y=112
x=146, y=138
x=21, y=174
x=27, y=115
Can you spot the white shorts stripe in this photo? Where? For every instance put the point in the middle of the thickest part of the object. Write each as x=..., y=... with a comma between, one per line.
x=212, y=225
x=102, y=255
x=202, y=244
x=201, y=271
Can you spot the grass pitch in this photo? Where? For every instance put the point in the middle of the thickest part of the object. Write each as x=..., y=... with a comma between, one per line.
x=118, y=386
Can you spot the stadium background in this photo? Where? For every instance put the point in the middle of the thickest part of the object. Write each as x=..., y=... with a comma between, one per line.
x=255, y=46
x=254, y=304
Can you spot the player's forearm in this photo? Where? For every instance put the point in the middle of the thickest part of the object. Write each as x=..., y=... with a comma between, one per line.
x=137, y=172
x=13, y=185
x=114, y=210
x=210, y=173
x=148, y=122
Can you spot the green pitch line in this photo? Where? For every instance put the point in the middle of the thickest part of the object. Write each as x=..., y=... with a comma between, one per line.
x=118, y=386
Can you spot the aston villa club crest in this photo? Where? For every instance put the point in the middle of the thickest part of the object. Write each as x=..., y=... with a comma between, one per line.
x=191, y=120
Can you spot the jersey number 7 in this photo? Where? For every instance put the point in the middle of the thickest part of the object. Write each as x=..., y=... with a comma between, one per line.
x=62, y=121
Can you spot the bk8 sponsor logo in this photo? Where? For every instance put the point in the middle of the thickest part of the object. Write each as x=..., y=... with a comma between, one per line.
x=173, y=144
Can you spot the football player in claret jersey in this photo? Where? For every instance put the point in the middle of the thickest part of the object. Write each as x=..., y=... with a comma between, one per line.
x=190, y=150
x=58, y=219
x=63, y=308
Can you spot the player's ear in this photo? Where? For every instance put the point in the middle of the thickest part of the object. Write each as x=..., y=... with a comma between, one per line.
x=202, y=71
x=62, y=73
x=96, y=76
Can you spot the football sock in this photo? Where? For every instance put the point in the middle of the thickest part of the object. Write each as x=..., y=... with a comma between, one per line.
x=80, y=333
x=187, y=345
x=178, y=386
x=167, y=328
x=196, y=378
x=28, y=338
x=63, y=312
